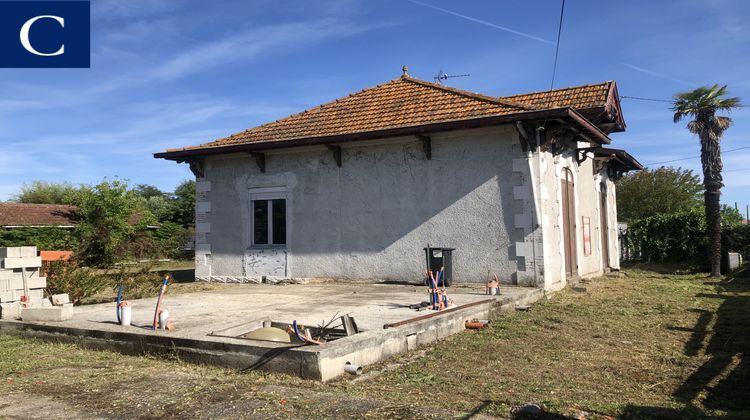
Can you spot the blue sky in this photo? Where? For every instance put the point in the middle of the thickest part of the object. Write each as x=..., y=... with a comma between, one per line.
x=169, y=73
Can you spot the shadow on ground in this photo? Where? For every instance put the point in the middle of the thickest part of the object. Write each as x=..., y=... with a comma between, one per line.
x=722, y=382
x=180, y=275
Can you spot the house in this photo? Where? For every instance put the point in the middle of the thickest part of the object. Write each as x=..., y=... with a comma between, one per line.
x=521, y=186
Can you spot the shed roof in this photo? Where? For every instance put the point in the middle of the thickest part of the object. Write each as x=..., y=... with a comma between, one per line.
x=46, y=215
x=22, y=214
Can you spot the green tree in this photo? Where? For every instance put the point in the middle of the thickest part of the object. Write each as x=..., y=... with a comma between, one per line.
x=148, y=191
x=182, y=205
x=701, y=105
x=652, y=192
x=158, y=202
x=110, y=216
x=44, y=192
x=730, y=216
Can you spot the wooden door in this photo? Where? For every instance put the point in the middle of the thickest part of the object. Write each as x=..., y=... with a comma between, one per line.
x=569, y=223
x=604, y=226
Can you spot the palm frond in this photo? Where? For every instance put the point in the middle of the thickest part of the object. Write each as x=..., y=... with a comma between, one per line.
x=723, y=123
x=704, y=100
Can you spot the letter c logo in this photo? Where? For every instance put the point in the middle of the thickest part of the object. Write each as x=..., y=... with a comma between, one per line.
x=25, y=35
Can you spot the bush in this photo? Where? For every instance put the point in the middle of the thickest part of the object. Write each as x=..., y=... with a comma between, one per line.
x=681, y=238
x=672, y=237
x=106, y=227
x=736, y=239
x=77, y=282
x=137, y=283
x=44, y=238
x=170, y=239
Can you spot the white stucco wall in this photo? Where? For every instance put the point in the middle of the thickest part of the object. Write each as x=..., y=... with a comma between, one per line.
x=372, y=217
x=587, y=187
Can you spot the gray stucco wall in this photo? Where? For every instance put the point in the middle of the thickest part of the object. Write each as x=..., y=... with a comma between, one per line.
x=370, y=218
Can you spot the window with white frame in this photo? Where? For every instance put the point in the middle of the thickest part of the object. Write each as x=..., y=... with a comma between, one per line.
x=269, y=218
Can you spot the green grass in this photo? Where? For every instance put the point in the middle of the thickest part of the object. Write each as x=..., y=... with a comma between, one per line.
x=649, y=345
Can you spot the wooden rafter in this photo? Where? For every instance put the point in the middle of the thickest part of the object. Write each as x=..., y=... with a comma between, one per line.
x=336, y=153
x=260, y=160
x=426, y=145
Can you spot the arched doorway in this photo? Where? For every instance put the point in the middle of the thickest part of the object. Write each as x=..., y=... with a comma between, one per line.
x=569, y=223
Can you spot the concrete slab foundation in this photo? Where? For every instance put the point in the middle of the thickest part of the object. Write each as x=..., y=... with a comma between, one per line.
x=207, y=324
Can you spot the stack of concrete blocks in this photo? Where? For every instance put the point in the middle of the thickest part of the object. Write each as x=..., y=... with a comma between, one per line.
x=12, y=261
x=15, y=264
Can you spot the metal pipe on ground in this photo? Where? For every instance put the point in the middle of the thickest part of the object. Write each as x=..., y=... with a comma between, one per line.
x=420, y=318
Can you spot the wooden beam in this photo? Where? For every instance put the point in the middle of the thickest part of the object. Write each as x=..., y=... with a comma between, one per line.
x=523, y=136
x=426, y=145
x=582, y=154
x=196, y=166
x=336, y=153
x=260, y=159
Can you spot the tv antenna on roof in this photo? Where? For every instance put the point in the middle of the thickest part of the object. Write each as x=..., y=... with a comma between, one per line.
x=443, y=76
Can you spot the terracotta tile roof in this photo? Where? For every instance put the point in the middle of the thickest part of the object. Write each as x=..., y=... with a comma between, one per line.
x=23, y=214
x=17, y=214
x=599, y=103
x=578, y=97
x=406, y=102
x=401, y=102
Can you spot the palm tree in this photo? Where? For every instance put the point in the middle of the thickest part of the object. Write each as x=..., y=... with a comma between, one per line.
x=701, y=105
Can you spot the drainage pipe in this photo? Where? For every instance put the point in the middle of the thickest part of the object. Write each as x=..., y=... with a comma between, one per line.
x=159, y=300
x=536, y=189
x=119, y=301
x=420, y=318
x=353, y=369
x=473, y=325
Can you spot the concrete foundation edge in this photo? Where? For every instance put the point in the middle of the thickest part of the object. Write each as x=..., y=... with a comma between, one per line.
x=317, y=363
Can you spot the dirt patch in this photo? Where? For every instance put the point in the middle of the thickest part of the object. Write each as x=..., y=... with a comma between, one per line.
x=30, y=406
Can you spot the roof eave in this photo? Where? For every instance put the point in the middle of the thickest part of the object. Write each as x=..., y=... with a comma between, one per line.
x=625, y=159
x=596, y=134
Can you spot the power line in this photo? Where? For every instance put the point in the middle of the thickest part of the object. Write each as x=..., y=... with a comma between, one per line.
x=646, y=99
x=694, y=157
x=557, y=46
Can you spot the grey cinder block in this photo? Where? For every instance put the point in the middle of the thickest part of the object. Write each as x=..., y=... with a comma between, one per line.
x=21, y=262
x=11, y=310
x=17, y=252
x=61, y=299
x=52, y=313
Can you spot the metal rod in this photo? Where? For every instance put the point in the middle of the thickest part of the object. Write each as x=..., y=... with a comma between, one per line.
x=420, y=318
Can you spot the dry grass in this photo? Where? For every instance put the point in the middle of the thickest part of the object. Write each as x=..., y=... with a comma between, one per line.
x=650, y=345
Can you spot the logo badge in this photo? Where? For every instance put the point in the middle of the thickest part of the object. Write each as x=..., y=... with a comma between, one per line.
x=36, y=34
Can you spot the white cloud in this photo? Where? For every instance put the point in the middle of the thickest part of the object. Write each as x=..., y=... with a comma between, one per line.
x=114, y=9
x=251, y=43
x=484, y=22
x=660, y=75
x=243, y=46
